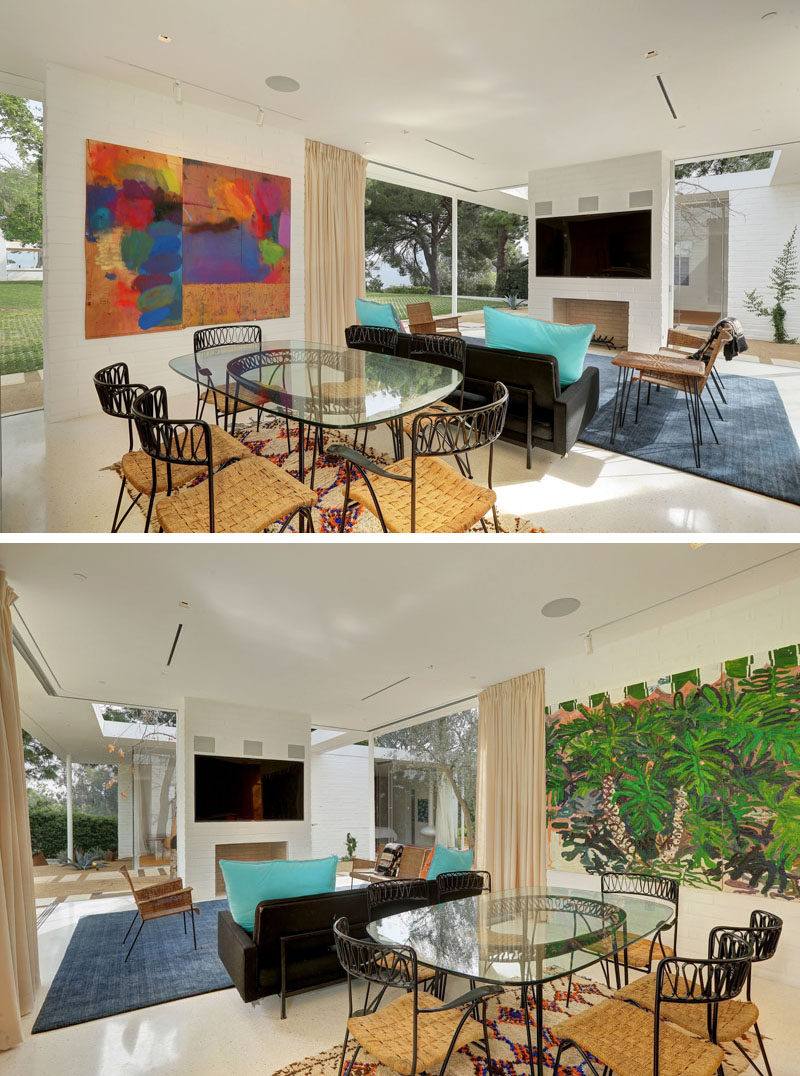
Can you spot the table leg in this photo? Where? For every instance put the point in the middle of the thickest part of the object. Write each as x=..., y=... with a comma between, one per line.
x=527, y=1016
x=539, y=1032
x=301, y=430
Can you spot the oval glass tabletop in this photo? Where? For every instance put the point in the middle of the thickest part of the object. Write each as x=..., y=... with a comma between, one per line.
x=324, y=385
x=523, y=936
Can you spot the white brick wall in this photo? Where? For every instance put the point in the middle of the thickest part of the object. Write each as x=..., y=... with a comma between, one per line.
x=230, y=725
x=612, y=181
x=749, y=625
x=761, y=220
x=79, y=107
x=341, y=801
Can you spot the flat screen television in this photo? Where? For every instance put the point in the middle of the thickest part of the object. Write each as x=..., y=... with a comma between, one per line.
x=247, y=789
x=594, y=245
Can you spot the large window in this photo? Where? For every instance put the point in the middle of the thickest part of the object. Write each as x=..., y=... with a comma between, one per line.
x=425, y=780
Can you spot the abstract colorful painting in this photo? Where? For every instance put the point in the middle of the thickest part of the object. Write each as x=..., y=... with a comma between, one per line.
x=695, y=776
x=133, y=241
x=173, y=242
x=236, y=236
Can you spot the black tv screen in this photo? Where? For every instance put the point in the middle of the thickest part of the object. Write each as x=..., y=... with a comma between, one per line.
x=594, y=245
x=247, y=789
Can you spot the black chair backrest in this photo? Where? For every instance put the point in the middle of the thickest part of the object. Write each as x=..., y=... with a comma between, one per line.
x=372, y=338
x=171, y=440
x=453, y=885
x=396, y=895
x=449, y=351
x=446, y=433
x=222, y=335
x=644, y=885
x=389, y=965
x=762, y=936
x=116, y=394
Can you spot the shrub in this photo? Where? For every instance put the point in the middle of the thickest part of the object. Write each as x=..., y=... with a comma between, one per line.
x=513, y=280
x=49, y=829
x=409, y=289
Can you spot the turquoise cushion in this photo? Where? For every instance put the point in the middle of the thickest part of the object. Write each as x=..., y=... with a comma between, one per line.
x=383, y=314
x=249, y=883
x=449, y=859
x=567, y=343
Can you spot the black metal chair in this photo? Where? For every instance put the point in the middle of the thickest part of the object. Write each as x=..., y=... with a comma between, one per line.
x=246, y=496
x=449, y=351
x=638, y=956
x=422, y=492
x=116, y=394
x=627, y=1038
x=384, y=341
x=413, y=1033
x=455, y=885
x=397, y=895
x=213, y=337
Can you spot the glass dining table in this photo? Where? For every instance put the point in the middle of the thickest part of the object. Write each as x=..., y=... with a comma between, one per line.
x=524, y=938
x=320, y=386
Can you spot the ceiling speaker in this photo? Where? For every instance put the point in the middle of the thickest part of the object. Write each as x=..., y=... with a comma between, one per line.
x=588, y=205
x=296, y=750
x=253, y=747
x=207, y=745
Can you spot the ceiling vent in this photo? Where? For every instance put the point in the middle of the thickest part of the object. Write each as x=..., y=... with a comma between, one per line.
x=253, y=747
x=640, y=199
x=386, y=688
x=450, y=149
x=589, y=205
x=660, y=81
x=543, y=209
x=296, y=750
x=174, y=644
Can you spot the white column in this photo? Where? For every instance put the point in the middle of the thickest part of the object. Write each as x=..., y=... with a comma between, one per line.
x=68, y=767
x=371, y=779
x=454, y=265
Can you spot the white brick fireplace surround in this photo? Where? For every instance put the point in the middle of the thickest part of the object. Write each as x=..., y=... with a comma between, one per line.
x=280, y=734
x=611, y=186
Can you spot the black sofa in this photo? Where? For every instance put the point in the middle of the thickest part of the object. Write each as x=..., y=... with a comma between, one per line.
x=540, y=412
x=291, y=950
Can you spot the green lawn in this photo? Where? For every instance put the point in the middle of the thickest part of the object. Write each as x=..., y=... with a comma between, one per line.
x=440, y=304
x=20, y=326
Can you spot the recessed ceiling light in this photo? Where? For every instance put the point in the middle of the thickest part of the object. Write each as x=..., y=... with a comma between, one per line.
x=165, y=39
x=650, y=54
x=561, y=607
x=183, y=605
x=282, y=83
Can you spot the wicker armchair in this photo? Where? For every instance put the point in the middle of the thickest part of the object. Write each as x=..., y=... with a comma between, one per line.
x=422, y=493
x=117, y=395
x=735, y=1018
x=421, y=320
x=157, y=902
x=633, y=1042
x=413, y=1033
x=247, y=496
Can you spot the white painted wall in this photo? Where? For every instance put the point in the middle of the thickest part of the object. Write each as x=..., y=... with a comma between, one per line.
x=612, y=181
x=721, y=632
x=761, y=220
x=80, y=107
x=341, y=801
x=230, y=726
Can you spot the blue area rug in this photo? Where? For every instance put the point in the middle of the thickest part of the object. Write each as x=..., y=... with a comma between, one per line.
x=757, y=450
x=93, y=980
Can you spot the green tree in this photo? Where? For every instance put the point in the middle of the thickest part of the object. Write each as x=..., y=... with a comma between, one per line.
x=40, y=763
x=783, y=284
x=744, y=162
x=409, y=230
x=21, y=181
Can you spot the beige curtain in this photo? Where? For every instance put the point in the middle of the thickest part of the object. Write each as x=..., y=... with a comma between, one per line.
x=334, y=240
x=19, y=955
x=511, y=797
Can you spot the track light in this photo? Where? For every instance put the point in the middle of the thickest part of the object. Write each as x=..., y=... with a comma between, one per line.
x=177, y=92
x=260, y=117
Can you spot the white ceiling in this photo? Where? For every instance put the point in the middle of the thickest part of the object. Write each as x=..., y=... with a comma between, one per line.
x=515, y=84
x=315, y=631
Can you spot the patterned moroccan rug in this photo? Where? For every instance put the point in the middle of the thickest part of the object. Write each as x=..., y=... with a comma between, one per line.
x=329, y=477
x=508, y=1041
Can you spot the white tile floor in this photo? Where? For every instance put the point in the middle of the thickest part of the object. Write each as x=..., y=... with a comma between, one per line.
x=53, y=480
x=219, y=1033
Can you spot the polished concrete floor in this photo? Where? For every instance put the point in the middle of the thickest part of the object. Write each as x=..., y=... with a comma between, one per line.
x=53, y=480
x=219, y=1034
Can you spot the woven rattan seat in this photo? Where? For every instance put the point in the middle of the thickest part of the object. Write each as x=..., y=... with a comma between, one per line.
x=446, y=501
x=249, y=496
x=387, y=1034
x=734, y=1017
x=621, y=1036
x=138, y=469
x=408, y=420
x=638, y=951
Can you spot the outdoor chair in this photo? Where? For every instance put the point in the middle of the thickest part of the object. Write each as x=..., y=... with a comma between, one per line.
x=415, y=1032
x=630, y=1041
x=247, y=496
x=455, y=885
x=423, y=493
x=116, y=395
x=221, y=336
x=735, y=1018
x=398, y=895
x=421, y=320
x=157, y=902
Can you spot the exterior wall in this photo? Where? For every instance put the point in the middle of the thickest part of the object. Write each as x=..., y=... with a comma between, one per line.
x=230, y=725
x=81, y=106
x=341, y=801
x=612, y=181
x=755, y=622
x=761, y=220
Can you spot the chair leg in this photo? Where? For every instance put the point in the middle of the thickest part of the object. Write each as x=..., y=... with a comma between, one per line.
x=344, y=1051
x=136, y=938
x=127, y=932
x=194, y=932
x=184, y=922
x=638, y=398
x=708, y=420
